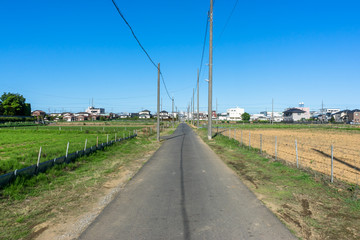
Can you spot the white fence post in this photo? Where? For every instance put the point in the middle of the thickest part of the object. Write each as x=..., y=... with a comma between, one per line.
x=67, y=149
x=38, y=161
x=332, y=163
x=261, y=143
x=241, y=138
x=297, y=156
x=249, y=140
x=275, y=147
x=115, y=137
x=97, y=141
x=85, y=144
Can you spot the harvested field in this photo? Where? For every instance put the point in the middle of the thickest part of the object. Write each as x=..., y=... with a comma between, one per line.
x=314, y=148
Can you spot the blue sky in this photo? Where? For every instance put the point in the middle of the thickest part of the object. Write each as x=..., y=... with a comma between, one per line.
x=61, y=54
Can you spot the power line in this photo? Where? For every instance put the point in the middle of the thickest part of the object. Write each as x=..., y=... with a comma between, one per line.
x=228, y=20
x=133, y=33
x=203, y=49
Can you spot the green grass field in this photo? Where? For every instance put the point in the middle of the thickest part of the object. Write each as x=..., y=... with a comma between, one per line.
x=19, y=147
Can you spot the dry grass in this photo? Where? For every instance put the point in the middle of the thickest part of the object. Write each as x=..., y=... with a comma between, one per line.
x=314, y=148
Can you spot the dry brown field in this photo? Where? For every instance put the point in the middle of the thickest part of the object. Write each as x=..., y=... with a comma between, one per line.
x=314, y=148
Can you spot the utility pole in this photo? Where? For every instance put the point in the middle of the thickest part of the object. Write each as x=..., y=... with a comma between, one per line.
x=173, y=112
x=322, y=111
x=193, y=107
x=158, y=105
x=272, y=112
x=188, y=117
x=217, y=117
x=210, y=72
x=198, y=114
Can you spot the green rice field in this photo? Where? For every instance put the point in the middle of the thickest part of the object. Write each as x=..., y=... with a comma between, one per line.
x=19, y=146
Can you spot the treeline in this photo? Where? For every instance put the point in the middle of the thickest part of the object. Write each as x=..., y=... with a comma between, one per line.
x=13, y=104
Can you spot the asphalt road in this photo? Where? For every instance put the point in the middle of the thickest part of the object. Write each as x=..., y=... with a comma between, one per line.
x=186, y=192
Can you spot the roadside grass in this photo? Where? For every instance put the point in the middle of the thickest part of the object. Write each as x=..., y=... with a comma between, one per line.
x=311, y=207
x=19, y=147
x=66, y=188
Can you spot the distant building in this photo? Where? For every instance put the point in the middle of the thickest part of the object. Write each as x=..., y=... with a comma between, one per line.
x=40, y=115
x=164, y=115
x=258, y=117
x=69, y=117
x=277, y=116
x=332, y=110
x=82, y=116
x=295, y=115
x=95, y=111
x=145, y=114
x=234, y=114
x=222, y=116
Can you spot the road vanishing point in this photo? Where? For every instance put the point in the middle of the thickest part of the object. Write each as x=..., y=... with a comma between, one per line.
x=185, y=191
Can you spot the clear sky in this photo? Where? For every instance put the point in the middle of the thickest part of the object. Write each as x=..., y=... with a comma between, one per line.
x=60, y=54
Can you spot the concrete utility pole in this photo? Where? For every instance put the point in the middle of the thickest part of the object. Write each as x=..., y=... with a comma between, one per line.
x=198, y=114
x=322, y=111
x=210, y=72
x=217, y=116
x=272, y=112
x=158, y=105
x=193, y=107
x=188, y=116
x=173, y=112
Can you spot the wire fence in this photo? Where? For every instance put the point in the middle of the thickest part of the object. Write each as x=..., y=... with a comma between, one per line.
x=41, y=167
x=319, y=154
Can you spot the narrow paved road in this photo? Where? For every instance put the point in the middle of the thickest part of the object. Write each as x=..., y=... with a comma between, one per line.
x=186, y=192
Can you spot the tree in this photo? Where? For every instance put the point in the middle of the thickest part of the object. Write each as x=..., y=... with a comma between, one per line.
x=245, y=116
x=13, y=104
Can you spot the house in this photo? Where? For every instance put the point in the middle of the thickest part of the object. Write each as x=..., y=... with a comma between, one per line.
x=82, y=116
x=277, y=116
x=341, y=116
x=95, y=111
x=234, y=114
x=258, y=117
x=124, y=115
x=354, y=116
x=69, y=117
x=40, y=115
x=222, y=116
x=295, y=115
x=164, y=115
x=145, y=114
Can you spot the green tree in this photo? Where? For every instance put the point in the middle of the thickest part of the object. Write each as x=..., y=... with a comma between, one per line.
x=14, y=104
x=245, y=116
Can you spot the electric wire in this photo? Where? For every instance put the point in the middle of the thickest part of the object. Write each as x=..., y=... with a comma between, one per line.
x=141, y=46
x=227, y=21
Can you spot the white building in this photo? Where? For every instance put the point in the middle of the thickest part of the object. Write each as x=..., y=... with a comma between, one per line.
x=234, y=114
x=258, y=117
x=332, y=110
x=95, y=111
x=277, y=116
